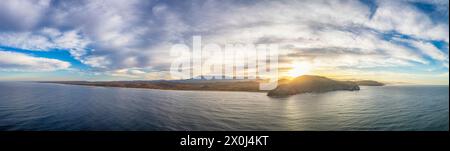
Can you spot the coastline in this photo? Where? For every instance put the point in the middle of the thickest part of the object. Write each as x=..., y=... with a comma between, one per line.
x=194, y=90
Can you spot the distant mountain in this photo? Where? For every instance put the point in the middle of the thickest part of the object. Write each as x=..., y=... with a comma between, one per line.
x=309, y=83
x=369, y=83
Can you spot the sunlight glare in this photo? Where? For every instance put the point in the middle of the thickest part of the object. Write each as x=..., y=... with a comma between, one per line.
x=299, y=69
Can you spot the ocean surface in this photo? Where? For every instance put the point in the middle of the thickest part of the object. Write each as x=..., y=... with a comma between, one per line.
x=48, y=107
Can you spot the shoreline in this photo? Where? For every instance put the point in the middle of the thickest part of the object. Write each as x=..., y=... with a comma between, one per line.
x=194, y=90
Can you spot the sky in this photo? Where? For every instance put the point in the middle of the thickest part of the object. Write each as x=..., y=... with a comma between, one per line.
x=394, y=41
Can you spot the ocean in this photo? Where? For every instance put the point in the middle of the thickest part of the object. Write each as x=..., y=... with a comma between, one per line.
x=30, y=106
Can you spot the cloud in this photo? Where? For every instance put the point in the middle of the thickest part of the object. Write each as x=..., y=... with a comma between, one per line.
x=408, y=20
x=430, y=50
x=47, y=39
x=96, y=61
x=318, y=25
x=12, y=61
x=130, y=73
x=125, y=35
x=446, y=64
x=22, y=14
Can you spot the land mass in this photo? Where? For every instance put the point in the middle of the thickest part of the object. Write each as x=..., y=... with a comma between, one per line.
x=369, y=83
x=301, y=84
x=205, y=85
x=311, y=84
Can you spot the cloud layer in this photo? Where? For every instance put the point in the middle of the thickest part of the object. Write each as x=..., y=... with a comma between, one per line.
x=132, y=37
x=11, y=61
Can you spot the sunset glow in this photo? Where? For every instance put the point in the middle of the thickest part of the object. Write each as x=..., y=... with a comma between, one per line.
x=299, y=69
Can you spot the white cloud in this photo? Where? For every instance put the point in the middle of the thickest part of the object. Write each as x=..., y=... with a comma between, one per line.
x=46, y=39
x=430, y=50
x=96, y=61
x=320, y=25
x=129, y=73
x=405, y=19
x=12, y=61
x=22, y=14
x=25, y=40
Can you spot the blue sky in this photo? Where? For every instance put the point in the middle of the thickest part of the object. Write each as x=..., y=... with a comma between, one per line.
x=403, y=41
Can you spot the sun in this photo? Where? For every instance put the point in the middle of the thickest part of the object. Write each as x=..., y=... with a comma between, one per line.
x=299, y=69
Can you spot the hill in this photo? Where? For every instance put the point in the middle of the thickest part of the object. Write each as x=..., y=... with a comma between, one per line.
x=314, y=84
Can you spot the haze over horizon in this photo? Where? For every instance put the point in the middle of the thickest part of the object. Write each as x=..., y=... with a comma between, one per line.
x=403, y=41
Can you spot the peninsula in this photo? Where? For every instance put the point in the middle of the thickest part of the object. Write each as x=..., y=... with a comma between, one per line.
x=311, y=84
x=301, y=84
